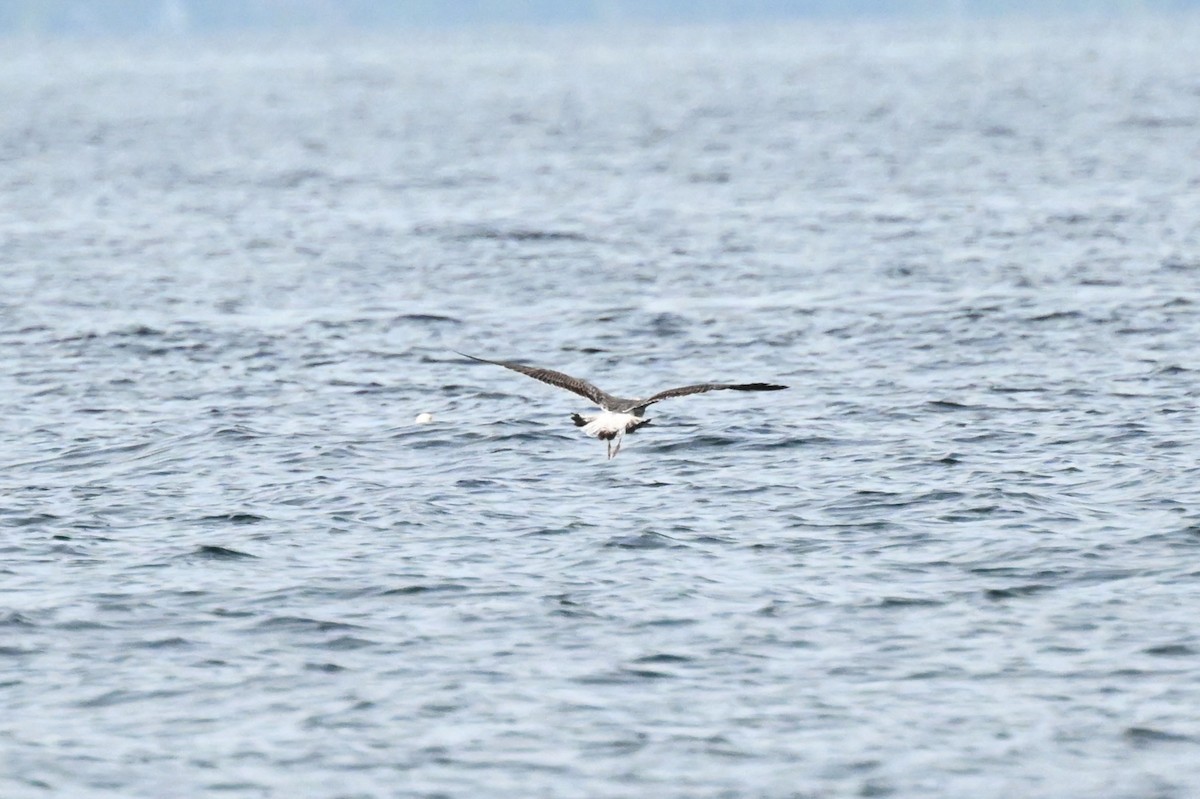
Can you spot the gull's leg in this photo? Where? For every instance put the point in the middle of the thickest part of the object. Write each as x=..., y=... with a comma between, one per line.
x=617, y=448
x=610, y=452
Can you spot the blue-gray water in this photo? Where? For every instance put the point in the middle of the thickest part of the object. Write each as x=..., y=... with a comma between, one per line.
x=957, y=558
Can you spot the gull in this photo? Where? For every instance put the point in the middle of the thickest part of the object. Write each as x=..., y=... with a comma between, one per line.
x=618, y=415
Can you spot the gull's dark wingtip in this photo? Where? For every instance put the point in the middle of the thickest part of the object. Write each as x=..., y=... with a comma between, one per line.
x=761, y=387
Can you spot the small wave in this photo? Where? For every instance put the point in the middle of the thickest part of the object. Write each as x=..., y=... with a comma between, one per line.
x=1017, y=389
x=345, y=643
x=412, y=590
x=30, y=521
x=476, y=483
x=120, y=697
x=425, y=318
x=234, y=518
x=174, y=642
x=77, y=625
x=951, y=405
x=1014, y=592
x=236, y=432
x=647, y=540
x=327, y=668
x=1055, y=316
x=213, y=552
x=663, y=657
x=698, y=442
x=1171, y=650
x=1156, y=122
x=303, y=624
x=907, y=602
x=490, y=232
x=623, y=676
x=1149, y=735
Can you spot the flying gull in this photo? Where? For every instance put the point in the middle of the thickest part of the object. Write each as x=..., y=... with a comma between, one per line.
x=618, y=415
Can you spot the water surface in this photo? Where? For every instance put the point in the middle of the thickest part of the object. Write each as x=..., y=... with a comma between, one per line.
x=957, y=558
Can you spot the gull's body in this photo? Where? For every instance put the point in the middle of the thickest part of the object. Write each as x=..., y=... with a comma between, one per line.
x=618, y=415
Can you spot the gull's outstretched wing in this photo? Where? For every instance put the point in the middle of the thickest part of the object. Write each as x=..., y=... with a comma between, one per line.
x=701, y=388
x=581, y=387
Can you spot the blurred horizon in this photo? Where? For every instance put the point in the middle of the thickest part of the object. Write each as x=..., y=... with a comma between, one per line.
x=181, y=17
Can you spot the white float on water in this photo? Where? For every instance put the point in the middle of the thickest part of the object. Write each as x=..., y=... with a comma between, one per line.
x=423, y=418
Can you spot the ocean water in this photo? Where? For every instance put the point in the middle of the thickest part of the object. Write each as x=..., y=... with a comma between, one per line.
x=958, y=557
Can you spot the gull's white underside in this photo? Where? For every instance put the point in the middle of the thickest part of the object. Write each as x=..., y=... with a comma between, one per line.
x=612, y=426
x=608, y=424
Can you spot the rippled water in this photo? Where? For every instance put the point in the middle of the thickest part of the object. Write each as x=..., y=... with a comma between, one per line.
x=957, y=558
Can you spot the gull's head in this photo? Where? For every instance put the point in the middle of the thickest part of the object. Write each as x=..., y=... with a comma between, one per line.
x=423, y=418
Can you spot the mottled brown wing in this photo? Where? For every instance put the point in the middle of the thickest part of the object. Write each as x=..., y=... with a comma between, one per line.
x=701, y=388
x=574, y=384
